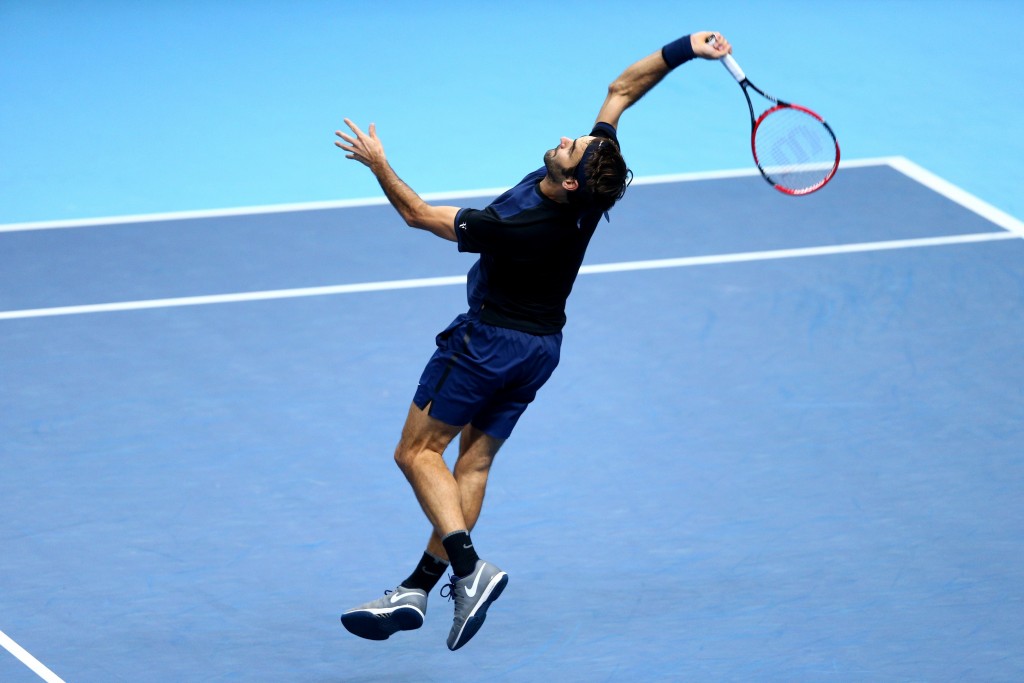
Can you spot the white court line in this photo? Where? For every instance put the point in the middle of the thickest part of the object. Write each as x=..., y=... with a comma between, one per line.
x=797, y=253
x=956, y=194
x=240, y=211
x=417, y=283
x=28, y=660
x=237, y=298
x=378, y=201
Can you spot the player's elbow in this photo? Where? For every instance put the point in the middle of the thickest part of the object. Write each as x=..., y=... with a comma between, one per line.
x=618, y=88
x=622, y=93
x=439, y=220
x=416, y=215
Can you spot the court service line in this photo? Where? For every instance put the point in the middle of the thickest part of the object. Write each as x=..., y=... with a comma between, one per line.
x=800, y=252
x=419, y=283
x=28, y=660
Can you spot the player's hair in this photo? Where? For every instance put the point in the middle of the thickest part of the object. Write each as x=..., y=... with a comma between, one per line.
x=607, y=176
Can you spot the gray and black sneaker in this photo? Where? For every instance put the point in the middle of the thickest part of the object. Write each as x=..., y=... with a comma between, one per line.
x=402, y=609
x=473, y=594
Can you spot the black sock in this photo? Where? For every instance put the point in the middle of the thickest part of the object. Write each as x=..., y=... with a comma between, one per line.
x=460, y=552
x=427, y=573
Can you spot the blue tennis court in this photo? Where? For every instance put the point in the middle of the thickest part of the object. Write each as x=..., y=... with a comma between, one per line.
x=784, y=442
x=789, y=454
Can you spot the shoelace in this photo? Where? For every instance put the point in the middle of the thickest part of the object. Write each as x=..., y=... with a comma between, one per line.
x=450, y=586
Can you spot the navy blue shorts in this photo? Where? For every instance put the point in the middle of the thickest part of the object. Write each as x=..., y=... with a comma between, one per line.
x=485, y=375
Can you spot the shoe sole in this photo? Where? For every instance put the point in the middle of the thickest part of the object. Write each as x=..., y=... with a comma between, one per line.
x=374, y=625
x=476, y=620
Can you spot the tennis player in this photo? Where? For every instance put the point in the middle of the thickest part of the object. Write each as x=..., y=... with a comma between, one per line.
x=491, y=360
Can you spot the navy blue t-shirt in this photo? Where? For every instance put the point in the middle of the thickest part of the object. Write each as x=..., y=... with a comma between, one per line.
x=531, y=249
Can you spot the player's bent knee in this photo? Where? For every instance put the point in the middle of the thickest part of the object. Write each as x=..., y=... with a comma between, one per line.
x=408, y=454
x=404, y=457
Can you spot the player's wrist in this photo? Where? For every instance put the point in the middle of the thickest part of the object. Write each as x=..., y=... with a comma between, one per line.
x=380, y=167
x=678, y=52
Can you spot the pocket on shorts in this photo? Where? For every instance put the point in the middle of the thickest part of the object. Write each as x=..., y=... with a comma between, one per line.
x=444, y=336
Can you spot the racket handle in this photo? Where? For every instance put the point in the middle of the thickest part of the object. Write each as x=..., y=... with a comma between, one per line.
x=729, y=63
x=732, y=67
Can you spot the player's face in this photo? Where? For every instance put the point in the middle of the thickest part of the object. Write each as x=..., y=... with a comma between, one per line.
x=566, y=155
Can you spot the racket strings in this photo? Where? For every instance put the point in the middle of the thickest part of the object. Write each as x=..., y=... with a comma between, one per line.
x=794, y=149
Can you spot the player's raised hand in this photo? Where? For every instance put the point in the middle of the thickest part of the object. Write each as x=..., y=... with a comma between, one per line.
x=710, y=45
x=365, y=148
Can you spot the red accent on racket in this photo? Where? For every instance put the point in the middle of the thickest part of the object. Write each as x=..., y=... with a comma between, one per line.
x=794, y=148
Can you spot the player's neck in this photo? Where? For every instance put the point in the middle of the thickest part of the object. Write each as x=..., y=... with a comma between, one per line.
x=553, y=190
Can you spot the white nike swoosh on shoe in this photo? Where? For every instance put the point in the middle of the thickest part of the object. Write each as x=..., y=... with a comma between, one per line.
x=471, y=590
x=395, y=597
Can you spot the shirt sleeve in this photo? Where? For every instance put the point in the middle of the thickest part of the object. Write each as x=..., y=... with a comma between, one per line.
x=508, y=224
x=461, y=224
x=479, y=231
x=605, y=130
x=522, y=239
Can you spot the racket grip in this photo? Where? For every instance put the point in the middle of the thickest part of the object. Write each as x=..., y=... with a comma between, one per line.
x=729, y=63
x=732, y=67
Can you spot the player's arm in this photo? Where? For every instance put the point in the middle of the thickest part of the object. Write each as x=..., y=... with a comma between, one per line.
x=367, y=149
x=638, y=79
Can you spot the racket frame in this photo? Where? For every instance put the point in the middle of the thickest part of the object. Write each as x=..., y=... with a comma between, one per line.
x=756, y=123
x=734, y=69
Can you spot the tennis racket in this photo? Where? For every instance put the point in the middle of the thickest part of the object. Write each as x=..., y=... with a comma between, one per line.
x=795, y=150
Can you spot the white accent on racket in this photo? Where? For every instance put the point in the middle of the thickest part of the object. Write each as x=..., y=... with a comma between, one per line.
x=732, y=67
